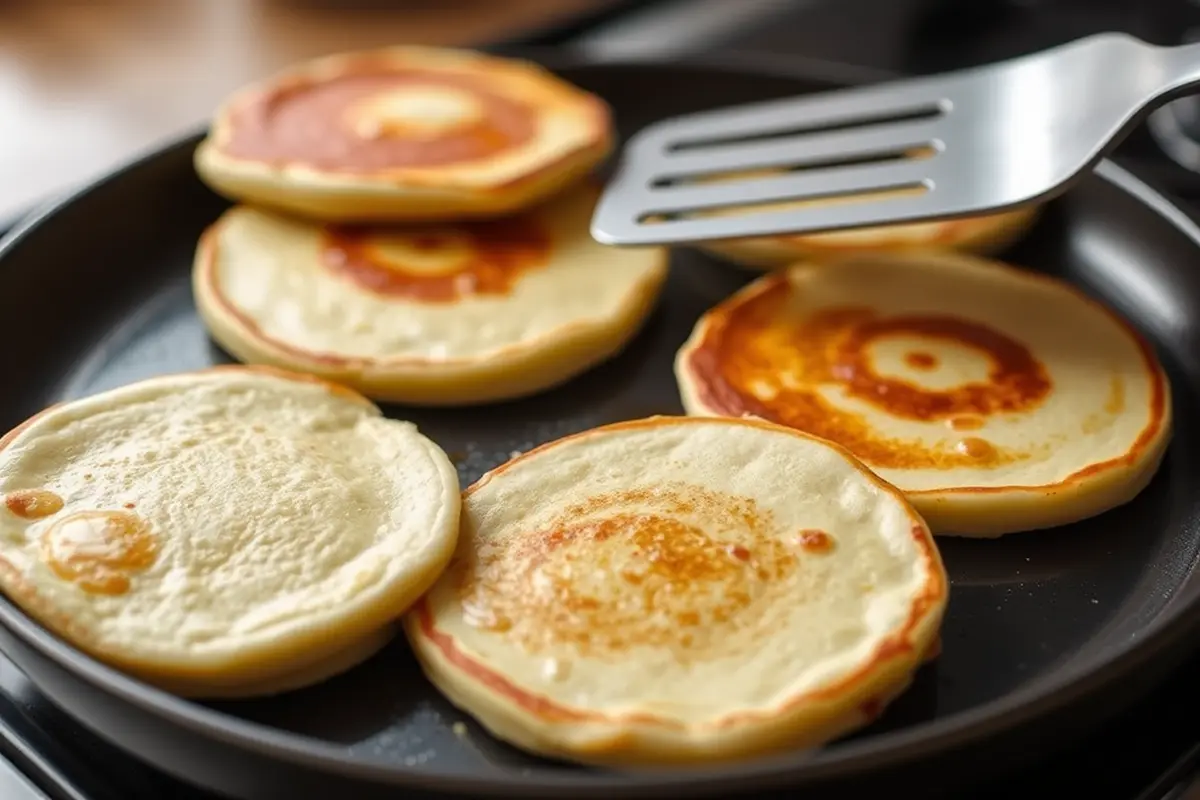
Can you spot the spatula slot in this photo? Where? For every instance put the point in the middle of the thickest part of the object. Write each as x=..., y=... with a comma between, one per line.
x=858, y=159
x=919, y=113
x=878, y=194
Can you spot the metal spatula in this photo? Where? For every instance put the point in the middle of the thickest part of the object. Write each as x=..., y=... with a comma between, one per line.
x=969, y=142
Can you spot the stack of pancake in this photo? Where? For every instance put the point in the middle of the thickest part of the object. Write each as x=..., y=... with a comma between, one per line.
x=414, y=224
x=758, y=576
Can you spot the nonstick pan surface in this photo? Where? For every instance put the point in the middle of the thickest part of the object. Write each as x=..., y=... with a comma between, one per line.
x=1046, y=632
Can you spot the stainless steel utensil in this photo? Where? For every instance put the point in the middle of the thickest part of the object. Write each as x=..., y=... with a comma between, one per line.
x=962, y=143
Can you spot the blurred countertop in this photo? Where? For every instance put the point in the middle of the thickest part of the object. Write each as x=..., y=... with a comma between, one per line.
x=87, y=84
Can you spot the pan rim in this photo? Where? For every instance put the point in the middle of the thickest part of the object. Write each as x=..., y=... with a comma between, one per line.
x=1055, y=691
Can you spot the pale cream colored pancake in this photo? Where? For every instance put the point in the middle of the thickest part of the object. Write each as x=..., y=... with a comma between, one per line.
x=451, y=314
x=303, y=677
x=983, y=235
x=676, y=590
x=979, y=235
x=997, y=399
x=226, y=527
x=406, y=133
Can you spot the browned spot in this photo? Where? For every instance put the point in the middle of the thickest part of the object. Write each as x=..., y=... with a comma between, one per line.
x=754, y=341
x=130, y=505
x=815, y=541
x=1115, y=402
x=872, y=709
x=601, y=579
x=919, y=359
x=739, y=552
x=976, y=448
x=965, y=423
x=484, y=257
x=33, y=503
x=307, y=122
x=99, y=550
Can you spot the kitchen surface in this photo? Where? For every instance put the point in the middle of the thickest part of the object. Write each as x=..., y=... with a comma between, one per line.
x=84, y=86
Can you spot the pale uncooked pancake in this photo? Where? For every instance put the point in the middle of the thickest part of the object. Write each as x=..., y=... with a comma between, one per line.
x=406, y=133
x=228, y=527
x=998, y=399
x=680, y=590
x=983, y=235
x=979, y=235
x=439, y=315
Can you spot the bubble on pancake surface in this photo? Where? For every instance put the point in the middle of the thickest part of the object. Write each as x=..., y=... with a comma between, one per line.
x=33, y=503
x=99, y=551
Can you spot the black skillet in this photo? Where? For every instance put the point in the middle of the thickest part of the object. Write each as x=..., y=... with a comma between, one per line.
x=1047, y=633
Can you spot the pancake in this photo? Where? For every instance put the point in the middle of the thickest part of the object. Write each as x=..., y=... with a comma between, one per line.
x=997, y=399
x=451, y=314
x=680, y=590
x=982, y=235
x=226, y=527
x=979, y=235
x=322, y=670
x=407, y=133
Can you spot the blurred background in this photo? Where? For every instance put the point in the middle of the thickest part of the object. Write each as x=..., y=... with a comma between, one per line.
x=86, y=84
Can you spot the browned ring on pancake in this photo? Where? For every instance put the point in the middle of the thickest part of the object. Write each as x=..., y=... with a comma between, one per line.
x=410, y=270
x=406, y=133
x=805, y=718
x=750, y=340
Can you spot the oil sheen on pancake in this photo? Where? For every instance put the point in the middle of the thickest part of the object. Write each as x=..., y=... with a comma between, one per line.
x=224, y=532
x=403, y=134
x=675, y=590
x=998, y=399
x=447, y=314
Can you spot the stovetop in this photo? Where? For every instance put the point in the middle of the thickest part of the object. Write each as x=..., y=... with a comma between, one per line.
x=1148, y=753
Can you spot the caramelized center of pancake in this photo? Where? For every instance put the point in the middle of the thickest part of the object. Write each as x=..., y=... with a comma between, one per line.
x=919, y=359
x=762, y=358
x=33, y=503
x=373, y=118
x=816, y=541
x=438, y=265
x=99, y=550
x=679, y=568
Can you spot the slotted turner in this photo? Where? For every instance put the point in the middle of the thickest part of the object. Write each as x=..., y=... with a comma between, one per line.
x=968, y=142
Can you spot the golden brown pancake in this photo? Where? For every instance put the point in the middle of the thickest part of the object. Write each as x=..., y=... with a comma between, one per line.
x=406, y=133
x=680, y=590
x=449, y=314
x=998, y=399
